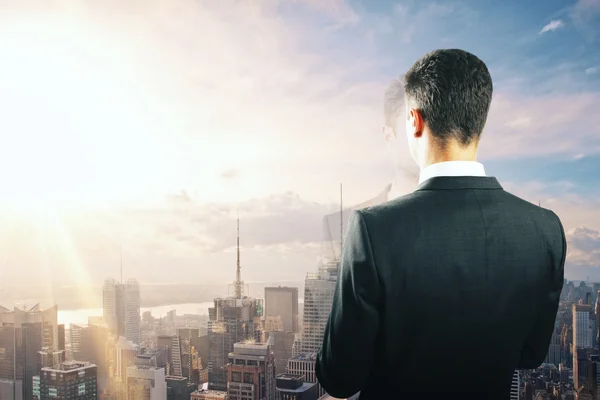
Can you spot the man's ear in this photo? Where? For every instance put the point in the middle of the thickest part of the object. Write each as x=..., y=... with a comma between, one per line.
x=388, y=133
x=415, y=122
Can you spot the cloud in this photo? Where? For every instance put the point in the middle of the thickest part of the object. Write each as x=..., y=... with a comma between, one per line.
x=552, y=26
x=342, y=13
x=516, y=125
x=225, y=103
x=230, y=174
x=211, y=103
x=591, y=71
x=585, y=15
x=584, y=247
x=182, y=231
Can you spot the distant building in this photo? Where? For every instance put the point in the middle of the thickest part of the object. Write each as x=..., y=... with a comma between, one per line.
x=304, y=365
x=282, y=344
x=593, y=378
x=69, y=380
x=554, y=355
x=205, y=394
x=251, y=372
x=318, y=299
x=90, y=343
x=515, y=393
x=152, y=358
x=23, y=334
x=126, y=353
x=283, y=302
x=49, y=358
x=146, y=383
x=583, y=338
x=121, y=307
x=179, y=388
x=233, y=319
x=293, y=387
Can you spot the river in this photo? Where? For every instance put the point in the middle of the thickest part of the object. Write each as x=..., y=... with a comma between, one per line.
x=80, y=316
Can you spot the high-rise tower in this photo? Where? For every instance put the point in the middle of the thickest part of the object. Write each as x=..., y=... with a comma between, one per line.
x=121, y=308
x=233, y=319
x=238, y=284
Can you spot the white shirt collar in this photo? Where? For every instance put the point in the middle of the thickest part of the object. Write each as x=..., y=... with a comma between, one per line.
x=452, y=168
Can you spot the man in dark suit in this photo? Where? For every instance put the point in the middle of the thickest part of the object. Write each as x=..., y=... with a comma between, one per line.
x=450, y=288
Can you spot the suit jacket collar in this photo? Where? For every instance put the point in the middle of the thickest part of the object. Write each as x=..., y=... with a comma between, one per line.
x=460, y=182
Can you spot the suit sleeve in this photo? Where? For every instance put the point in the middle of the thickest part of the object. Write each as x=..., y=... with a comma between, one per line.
x=345, y=358
x=536, y=345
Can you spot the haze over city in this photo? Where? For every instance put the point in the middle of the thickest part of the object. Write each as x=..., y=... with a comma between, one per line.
x=145, y=126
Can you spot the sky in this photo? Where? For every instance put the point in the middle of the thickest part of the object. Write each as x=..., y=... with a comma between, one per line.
x=141, y=127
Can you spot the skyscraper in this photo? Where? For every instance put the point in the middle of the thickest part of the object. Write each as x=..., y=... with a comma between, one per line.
x=90, y=343
x=121, y=308
x=23, y=334
x=318, y=298
x=283, y=302
x=146, y=383
x=554, y=355
x=582, y=339
x=251, y=372
x=69, y=380
x=233, y=319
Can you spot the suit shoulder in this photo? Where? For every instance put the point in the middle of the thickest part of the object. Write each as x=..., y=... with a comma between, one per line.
x=391, y=207
x=538, y=210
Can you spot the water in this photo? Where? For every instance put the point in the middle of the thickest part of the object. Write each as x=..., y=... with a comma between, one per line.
x=80, y=316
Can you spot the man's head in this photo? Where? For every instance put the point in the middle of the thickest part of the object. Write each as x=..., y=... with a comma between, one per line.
x=446, y=96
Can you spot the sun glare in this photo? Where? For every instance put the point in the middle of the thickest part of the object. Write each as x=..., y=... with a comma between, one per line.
x=72, y=130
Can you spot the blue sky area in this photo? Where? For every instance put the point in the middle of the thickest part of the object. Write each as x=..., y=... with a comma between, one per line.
x=532, y=48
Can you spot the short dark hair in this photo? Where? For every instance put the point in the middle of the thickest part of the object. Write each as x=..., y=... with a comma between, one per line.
x=451, y=88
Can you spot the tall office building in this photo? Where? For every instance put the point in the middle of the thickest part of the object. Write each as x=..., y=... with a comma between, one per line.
x=233, y=319
x=515, y=392
x=304, y=364
x=283, y=302
x=49, y=358
x=318, y=298
x=282, y=344
x=121, y=308
x=91, y=343
x=146, y=383
x=48, y=320
x=582, y=339
x=68, y=380
x=251, y=372
x=554, y=355
x=191, y=361
x=207, y=394
x=593, y=378
x=23, y=334
x=126, y=353
x=597, y=312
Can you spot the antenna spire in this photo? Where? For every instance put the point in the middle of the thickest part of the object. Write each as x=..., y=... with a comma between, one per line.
x=341, y=222
x=238, y=285
x=121, y=264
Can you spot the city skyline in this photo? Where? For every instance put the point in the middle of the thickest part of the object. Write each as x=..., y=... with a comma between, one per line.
x=149, y=135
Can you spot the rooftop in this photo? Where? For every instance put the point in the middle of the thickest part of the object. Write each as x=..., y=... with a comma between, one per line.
x=175, y=378
x=69, y=366
x=305, y=357
x=290, y=377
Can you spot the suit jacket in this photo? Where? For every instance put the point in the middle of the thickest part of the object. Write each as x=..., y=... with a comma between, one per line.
x=448, y=289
